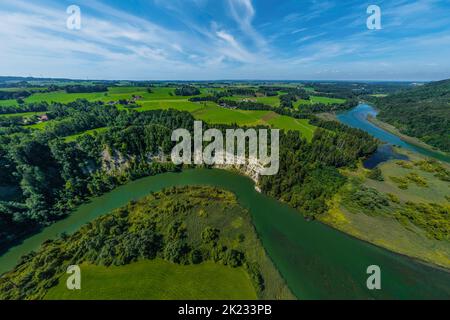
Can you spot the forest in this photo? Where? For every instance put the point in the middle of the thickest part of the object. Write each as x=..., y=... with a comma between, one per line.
x=49, y=176
x=309, y=174
x=421, y=112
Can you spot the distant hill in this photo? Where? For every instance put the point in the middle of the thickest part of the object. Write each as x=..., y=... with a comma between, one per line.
x=422, y=112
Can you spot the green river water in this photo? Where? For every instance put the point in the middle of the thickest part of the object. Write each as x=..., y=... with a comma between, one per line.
x=316, y=261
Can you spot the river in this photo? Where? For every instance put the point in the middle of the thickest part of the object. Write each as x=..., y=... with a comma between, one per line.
x=358, y=118
x=316, y=261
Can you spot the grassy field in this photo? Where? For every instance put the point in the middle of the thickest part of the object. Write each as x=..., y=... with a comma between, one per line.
x=23, y=114
x=39, y=125
x=158, y=280
x=271, y=101
x=178, y=104
x=212, y=113
x=75, y=136
x=63, y=97
x=291, y=124
x=8, y=103
x=435, y=191
x=148, y=100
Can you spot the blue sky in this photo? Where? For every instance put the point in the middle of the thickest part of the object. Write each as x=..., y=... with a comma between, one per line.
x=226, y=39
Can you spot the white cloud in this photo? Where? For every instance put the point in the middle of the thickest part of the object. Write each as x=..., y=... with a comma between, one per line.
x=243, y=13
x=115, y=44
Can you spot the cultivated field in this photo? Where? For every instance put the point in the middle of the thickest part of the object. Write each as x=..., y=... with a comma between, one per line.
x=164, y=98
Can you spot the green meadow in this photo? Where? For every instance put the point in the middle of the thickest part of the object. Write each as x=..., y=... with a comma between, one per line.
x=91, y=132
x=271, y=101
x=63, y=97
x=164, y=98
x=22, y=114
x=178, y=104
x=39, y=125
x=158, y=280
x=8, y=103
x=214, y=114
x=317, y=99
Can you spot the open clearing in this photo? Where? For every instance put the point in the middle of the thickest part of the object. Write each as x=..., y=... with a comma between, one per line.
x=91, y=132
x=212, y=113
x=317, y=99
x=23, y=114
x=158, y=280
x=436, y=190
x=271, y=101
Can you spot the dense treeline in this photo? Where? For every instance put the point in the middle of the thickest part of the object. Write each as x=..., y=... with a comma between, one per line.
x=308, y=175
x=306, y=111
x=186, y=91
x=215, y=97
x=288, y=100
x=241, y=92
x=29, y=107
x=269, y=91
x=86, y=89
x=50, y=176
x=422, y=112
x=299, y=93
x=8, y=95
x=339, y=90
x=11, y=121
x=333, y=107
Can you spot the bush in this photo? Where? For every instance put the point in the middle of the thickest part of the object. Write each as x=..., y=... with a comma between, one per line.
x=196, y=256
x=187, y=91
x=376, y=174
x=234, y=258
x=175, y=251
x=210, y=235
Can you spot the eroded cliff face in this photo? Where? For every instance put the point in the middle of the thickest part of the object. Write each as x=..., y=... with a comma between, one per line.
x=114, y=162
x=251, y=168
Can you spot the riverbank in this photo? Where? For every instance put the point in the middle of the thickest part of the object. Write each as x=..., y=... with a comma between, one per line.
x=389, y=234
x=384, y=229
x=411, y=140
x=359, y=118
x=385, y=226
x=389, y=128
x=316, y=261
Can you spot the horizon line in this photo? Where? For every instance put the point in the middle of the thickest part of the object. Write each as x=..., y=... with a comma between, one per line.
x=222, y=80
